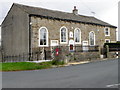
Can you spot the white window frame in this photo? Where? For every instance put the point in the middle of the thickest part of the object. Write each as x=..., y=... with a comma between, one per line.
x=66, y=35
x=46, y=37
x=106, y=40
x=80, y=36
x=94, y=38
x=108, y=31
x=53, y=44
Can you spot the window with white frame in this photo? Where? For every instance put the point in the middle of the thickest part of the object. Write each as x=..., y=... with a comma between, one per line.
x=77, y=36
x=63, y=35
x=43, y=36
x=107, y=40
x=92, y=38
x=107, y=31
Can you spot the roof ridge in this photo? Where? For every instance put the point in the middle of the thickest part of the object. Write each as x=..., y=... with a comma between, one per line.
x=32, y=10
x=51, y=10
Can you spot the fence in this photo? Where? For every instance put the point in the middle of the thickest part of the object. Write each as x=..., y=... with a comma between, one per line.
x=26, y=57
x=48, y=54
x=15, y=58
x=111, y=51
x=86, y=48
x=114, y=49
x=0, y=54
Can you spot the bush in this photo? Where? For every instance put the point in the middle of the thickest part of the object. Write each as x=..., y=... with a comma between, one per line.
x=56, y=62
x=112, y=45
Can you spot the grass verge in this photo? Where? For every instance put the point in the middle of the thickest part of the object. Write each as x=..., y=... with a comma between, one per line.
x=18, y=66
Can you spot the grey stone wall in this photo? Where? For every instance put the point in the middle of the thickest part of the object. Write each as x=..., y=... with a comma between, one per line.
x=111, y=55
x=54, y=26
x=0, y=56
x=15, y=32
x=65, y=54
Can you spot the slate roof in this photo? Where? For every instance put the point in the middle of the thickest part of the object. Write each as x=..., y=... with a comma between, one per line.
x=61, y=15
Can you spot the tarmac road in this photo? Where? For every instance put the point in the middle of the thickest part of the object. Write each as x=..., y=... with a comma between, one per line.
x=100, y=74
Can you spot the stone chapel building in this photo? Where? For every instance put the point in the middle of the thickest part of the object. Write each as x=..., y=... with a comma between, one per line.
x=28, y=29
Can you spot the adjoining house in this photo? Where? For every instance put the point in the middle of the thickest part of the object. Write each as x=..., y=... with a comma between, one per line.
x=28, y=29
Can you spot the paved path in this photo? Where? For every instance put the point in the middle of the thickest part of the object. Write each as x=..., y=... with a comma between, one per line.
x=92, y=75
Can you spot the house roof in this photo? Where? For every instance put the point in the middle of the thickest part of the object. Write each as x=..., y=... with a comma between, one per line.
x=62, y=15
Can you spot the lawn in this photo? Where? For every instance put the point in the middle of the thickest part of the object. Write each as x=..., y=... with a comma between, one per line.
x=18, y=66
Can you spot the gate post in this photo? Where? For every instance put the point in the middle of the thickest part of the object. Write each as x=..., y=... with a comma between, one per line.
x=107, y=51
x=101, y=52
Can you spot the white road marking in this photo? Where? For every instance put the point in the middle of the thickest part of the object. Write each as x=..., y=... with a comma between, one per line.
x=112, y=85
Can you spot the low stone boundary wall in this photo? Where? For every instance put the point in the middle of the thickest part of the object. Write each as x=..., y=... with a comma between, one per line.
x=70, y=56
x=0, y=57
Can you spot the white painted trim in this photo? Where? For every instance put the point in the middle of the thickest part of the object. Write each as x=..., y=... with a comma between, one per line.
x=94, y=38
x=72, y=44
x=66, y=35
x=46, y=37
x=106, y=40
x=108, y=31
x=80, y=36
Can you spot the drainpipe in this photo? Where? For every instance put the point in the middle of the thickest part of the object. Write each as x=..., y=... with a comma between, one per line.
x=30, y=46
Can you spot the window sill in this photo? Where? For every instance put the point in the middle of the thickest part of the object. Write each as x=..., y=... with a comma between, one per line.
x=107, y=35
x=43, y=46
x=63, y=43
x=77, y=42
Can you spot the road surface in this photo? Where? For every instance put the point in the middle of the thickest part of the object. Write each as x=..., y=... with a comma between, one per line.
x=100, y=74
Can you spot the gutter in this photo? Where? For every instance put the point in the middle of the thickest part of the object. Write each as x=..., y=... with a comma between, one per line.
x=30, y=48
x=69, y=20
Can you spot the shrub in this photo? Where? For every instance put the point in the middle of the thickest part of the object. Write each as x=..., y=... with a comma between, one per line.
x=56, y=62
x=112, y=45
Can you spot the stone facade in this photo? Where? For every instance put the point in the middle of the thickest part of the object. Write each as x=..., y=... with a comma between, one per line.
x=68, y=56
x=54, y=26
x=20, y=32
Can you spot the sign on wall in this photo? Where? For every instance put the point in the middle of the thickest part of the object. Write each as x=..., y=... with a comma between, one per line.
x=71, y=34
x=85, y=45
x=54, y=42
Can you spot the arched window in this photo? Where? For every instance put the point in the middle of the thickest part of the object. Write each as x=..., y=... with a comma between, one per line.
x=77, y=36
x=92, y=38
x=63, y=35
x=43, y=36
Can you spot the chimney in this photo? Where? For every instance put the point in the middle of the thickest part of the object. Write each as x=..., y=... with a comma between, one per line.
x=75, y=11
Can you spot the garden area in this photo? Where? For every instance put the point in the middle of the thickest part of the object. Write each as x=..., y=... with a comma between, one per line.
x=20, y=66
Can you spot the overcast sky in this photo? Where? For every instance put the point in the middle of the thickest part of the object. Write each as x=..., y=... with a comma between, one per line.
x=106, y=10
